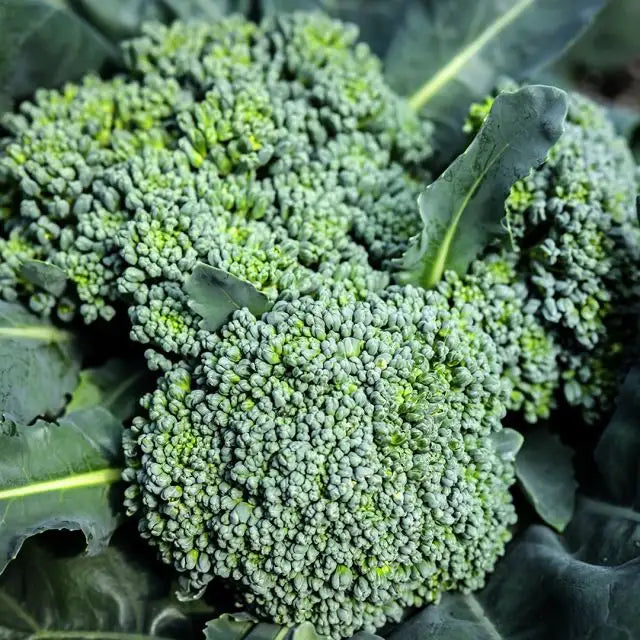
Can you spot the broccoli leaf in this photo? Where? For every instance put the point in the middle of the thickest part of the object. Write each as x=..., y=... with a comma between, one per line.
x=44, y=275
x=44, y=596
x=618, y=451
x=455, y=61
x=116, y=386
x=539, y=590
x=44, y=44
x=464, y=208
x=545, y=471
x=64, y=479
x=119, y=19
x=215, y=294
x=610, y=42
x=507, y=443
x=604, y=532
x=38, y=365
x=242, y=626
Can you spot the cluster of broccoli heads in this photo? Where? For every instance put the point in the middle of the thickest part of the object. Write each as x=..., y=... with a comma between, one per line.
x=340, y=457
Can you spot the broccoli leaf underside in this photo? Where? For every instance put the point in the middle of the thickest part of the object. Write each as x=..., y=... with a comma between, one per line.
x=215, y=294
x=65, y=480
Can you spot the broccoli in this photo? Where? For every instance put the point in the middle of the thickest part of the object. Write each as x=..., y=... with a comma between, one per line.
x=254, y=148
x=337, y=458
x=575, y=227
x=340, y=457
x=575, y=243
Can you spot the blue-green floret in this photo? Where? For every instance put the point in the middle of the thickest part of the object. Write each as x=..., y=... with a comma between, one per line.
x=573, y=229
x=255, y=148
x=335, y=458
x=493, y=294
x=575, y=224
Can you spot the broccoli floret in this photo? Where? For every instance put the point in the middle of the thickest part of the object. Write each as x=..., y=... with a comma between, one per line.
x=573, y=229
x=252, y=147
x=492, y=293
x=575, y=225
x=335, y=458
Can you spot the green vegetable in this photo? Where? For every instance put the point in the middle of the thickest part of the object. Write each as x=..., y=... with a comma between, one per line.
x=38, y=365
x=225, y=313
x=545, y=470
x=306, y=453
x=65, y=479
x=113, y=596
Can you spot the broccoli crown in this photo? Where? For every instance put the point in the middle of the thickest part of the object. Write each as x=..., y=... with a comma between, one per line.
x=574, y=234
x=252, y=147
x=337, y=458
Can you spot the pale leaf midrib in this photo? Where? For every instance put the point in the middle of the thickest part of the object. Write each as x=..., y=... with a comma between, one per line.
x=428, y=90
x=42, y=334
x=435, y=273
x=94, y=478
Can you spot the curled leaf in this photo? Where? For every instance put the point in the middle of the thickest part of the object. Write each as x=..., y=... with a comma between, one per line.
x=39, y=365
x=463, y=209
x=64, y=479
x=545, y=470
x=215, y=294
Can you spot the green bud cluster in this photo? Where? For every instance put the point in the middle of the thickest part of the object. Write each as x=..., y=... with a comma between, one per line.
x=337, y=458
x=251, y=147
x=493, y=295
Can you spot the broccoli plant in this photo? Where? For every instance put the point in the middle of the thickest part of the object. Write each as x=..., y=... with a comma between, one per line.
x=295, y=348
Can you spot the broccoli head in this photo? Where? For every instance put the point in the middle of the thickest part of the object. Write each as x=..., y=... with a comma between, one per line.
x=574, y=234
x=252, y=147
x=337, y=458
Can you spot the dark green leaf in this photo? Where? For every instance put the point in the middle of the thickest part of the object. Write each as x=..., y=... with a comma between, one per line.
x=618, y=452
x=539, y=590
x=119, y=19
x=464, y=208
x=447, y=55
x=242, y=626
x=215, y=294
x=44, y=44
x=64, y=479
x=545, y=471
x=116, y=386
x=611, y=40
x=43, y=596
x=604, y=533
x=44, y=275
x=38, y=365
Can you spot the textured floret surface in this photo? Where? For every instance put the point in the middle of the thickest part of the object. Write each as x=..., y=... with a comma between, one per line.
x=338, y=458
x=261, y=149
